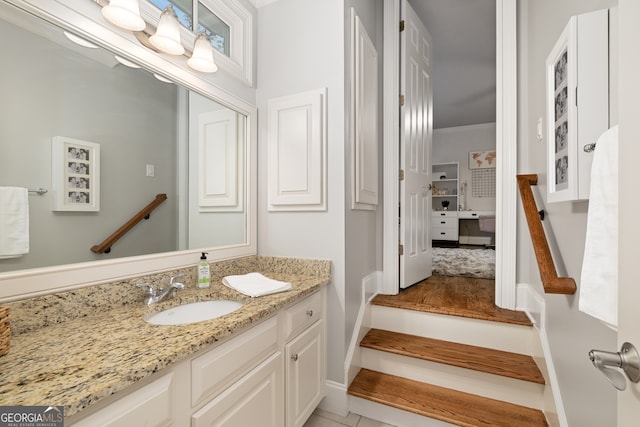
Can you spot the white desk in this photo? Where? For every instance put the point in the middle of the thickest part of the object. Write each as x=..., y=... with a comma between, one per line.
x=474, y=214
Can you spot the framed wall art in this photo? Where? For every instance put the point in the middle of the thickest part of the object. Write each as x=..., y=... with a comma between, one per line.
x=75, y=174
x=577, y=90
x=561, y=70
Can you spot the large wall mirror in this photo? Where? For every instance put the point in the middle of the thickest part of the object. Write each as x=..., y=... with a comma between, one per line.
x=154, y=137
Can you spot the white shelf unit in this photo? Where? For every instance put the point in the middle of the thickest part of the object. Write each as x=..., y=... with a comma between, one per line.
x=444, y=180
x=445, y=185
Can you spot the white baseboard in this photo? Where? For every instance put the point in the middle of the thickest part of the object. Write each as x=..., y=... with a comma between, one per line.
x=371, y=286
x=336, y=400
x=529, y=300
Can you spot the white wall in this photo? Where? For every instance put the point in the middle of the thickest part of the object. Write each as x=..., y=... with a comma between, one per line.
x=363, y=254
x=588, y=399
x=304, y=45
x=300, y=47
x=454, y=144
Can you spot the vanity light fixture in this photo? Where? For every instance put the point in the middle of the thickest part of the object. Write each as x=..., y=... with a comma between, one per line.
x=202, y=57
x=124, y=14
x=167, y=36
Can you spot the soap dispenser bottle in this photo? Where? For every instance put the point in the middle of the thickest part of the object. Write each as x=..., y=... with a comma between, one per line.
x=204, y=272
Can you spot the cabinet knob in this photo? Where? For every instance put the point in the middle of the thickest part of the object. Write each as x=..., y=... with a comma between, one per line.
x=310, y=313
x=294, y=357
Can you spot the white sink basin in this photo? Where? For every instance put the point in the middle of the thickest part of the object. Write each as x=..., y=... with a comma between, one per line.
x=194, y=312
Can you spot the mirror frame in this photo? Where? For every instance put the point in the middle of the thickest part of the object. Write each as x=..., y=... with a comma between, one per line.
x=84, y=19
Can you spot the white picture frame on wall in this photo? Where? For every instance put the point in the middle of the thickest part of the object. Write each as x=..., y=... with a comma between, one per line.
x=561, y=74
x=75, y=167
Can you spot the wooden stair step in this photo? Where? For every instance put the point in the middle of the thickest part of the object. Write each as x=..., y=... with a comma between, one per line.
x=440, y=403
x=454, y=296
x=512, y=365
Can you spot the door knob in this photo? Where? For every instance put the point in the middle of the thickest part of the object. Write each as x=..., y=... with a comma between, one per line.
x=626, y=359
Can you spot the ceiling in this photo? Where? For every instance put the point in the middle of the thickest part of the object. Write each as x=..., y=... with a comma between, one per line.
x=464, y=58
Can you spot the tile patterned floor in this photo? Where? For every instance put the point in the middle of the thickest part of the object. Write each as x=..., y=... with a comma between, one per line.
x=322, y=418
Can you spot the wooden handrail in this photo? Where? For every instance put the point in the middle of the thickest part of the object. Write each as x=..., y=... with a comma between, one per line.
x=550, y=281
x=105, y=247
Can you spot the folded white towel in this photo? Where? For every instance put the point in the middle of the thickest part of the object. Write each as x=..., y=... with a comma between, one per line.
x=255, y=284
x=14, y=222
x=599, y=278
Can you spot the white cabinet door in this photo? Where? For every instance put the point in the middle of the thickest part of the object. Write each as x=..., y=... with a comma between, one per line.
x=254, y=400
x=305, y=361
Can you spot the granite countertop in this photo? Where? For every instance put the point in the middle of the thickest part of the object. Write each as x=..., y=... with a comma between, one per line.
x=80, y=361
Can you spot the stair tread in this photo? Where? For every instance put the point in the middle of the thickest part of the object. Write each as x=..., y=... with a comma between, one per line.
x=454, y=296
x=497, y=362
x=440, y=403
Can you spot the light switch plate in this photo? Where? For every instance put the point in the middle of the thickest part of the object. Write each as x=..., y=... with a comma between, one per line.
x=539, y=130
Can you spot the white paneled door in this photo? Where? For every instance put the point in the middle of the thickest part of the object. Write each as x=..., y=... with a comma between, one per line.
x=415, y=148
x=628, y=231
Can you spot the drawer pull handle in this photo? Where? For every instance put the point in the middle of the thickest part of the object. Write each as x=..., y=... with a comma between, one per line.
x=310, y=313
x=294, y=357
x=443, y=222
x=443, y=233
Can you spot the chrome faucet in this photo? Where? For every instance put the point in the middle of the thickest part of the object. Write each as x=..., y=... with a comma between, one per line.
x=153, y=295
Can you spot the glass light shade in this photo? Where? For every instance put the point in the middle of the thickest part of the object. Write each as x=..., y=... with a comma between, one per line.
x=202, y=58
x=167, y=36
x=124, y=14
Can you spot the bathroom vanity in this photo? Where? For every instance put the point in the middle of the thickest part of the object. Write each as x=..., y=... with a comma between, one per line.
x=263, y=364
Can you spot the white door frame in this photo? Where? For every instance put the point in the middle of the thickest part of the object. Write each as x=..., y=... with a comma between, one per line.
x=506, y=145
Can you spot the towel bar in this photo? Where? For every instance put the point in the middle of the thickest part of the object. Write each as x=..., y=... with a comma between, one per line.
x=40, y=191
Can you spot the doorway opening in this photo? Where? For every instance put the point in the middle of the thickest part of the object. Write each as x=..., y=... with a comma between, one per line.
x=505, y=142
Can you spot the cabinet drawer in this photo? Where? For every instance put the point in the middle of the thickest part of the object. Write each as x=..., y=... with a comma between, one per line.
x=444, y=222
x=445, y=234
x=217, y=369
x=303, y=314
x=152, y=405
x=448, y=214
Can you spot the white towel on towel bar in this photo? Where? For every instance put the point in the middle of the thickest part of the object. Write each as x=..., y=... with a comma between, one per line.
x=599, y=278
x=14, y=222
x=255, y=284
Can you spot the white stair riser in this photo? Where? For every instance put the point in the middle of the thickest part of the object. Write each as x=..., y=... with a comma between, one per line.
x=482, y=333
x=392, y=416
x=510, y=390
